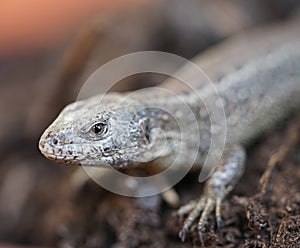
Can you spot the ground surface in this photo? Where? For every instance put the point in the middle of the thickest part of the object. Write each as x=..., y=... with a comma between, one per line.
x=39, y=207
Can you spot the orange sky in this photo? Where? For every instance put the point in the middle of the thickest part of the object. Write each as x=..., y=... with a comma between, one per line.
x=36, y=24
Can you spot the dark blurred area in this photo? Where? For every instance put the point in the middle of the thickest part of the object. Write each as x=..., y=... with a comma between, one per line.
x=37, y=205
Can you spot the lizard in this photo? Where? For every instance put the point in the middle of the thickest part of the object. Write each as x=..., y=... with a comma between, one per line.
x=257, y=77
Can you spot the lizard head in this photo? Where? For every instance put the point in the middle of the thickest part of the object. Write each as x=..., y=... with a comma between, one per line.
x=110, y=132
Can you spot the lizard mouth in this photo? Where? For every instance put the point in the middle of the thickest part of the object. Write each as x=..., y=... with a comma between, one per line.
x=62, y=159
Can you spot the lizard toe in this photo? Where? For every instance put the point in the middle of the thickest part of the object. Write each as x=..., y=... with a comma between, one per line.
x=199, y=209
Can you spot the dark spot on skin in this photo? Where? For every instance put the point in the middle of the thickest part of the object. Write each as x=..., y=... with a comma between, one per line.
x=70, y=152
x=49, y=134
x=135, y=136
x=106, y=149
x=93, y=150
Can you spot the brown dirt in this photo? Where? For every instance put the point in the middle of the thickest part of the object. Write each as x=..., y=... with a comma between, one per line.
x=39, y=206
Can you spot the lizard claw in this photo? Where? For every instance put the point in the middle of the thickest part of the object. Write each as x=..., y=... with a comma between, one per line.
x=182, y=234
x=201, y=209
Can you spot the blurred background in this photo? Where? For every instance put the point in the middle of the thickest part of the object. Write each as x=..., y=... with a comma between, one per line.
x=47, y=51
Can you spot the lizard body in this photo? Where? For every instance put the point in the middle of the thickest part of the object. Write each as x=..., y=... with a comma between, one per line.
x=257, y=76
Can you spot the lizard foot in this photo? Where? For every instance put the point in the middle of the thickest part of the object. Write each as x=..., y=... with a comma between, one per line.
x=221, y=182
x=202, y=209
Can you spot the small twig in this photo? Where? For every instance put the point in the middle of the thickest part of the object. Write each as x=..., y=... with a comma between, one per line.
x=291, y=139
x=56, y=89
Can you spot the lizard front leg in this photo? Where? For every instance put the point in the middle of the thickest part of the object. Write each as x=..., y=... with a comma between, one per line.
x=229, y=170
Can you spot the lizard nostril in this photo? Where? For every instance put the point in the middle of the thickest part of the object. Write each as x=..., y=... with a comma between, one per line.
x=54, y=141
x=57, y=140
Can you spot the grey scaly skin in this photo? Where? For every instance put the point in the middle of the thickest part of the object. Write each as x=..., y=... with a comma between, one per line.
x=257, y=76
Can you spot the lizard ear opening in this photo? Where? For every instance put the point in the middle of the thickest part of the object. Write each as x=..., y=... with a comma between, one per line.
x=147, y=131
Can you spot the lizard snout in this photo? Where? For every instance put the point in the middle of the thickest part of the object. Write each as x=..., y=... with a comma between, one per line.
x=51, y=144
x=49, y=139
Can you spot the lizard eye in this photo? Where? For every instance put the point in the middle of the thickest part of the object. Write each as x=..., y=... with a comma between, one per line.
x=99, y=128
